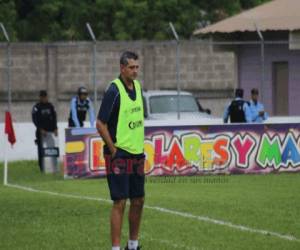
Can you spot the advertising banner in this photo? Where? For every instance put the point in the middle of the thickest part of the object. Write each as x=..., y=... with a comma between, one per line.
x=195, y=150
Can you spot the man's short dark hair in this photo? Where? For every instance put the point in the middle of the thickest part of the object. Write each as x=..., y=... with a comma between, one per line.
x=43, y=93
x=239, y=93
x=254, y=91
x=128, y=55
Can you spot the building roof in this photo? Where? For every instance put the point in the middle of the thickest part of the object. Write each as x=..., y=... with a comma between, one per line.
x=277, y=15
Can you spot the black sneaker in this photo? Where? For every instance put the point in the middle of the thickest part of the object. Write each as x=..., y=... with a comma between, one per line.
x=138, y=248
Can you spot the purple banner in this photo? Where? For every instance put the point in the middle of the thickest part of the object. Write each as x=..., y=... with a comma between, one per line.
x=194, y=150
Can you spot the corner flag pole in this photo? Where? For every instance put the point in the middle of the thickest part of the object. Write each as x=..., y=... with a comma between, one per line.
x=5, y=161
x=8, y=102
x=8, y=64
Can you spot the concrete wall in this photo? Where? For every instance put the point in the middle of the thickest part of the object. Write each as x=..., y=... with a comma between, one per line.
x=250, y=73
x=62, y=67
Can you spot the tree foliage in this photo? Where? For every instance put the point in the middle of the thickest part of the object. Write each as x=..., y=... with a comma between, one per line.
x=8, y=17
x=54, y=20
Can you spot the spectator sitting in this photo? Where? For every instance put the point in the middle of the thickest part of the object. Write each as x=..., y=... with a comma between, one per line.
x=80, y=105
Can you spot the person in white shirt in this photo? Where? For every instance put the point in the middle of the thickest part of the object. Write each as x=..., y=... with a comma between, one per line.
x=258, y=113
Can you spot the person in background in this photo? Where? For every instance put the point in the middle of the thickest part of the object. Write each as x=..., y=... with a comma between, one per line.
x=80, y=105
x=45, y=121
x=238, y=110
x=257, y=109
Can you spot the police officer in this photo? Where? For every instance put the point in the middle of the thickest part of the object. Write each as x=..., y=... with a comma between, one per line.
x=80, y=105
x=238, y=110
x=44, y=119
x=121, y=125
x=258, y=113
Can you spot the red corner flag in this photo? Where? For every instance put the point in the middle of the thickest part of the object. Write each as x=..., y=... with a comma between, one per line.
x=9, y=129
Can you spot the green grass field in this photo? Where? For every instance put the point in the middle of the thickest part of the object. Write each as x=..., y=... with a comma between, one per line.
x=174, y=217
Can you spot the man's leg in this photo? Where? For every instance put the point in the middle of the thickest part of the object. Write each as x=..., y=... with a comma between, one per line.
x=135, y=216
x=137, y=194
x=118, y=187
x=39, y=148
x=116, y=220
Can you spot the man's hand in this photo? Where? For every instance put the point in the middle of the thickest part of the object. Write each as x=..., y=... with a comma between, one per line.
x=114, y=152
x=43, y=132
x=55, y=132
x=103, y=131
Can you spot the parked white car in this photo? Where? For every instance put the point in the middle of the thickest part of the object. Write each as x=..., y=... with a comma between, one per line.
x=162, y=105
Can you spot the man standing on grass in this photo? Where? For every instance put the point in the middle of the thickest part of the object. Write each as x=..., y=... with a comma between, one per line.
x=121, y=125
x=44, y=119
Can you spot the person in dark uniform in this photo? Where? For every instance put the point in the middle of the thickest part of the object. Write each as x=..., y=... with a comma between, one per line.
x=80, y=105
x=44, y=119
x=238, y=110
x=121, y=125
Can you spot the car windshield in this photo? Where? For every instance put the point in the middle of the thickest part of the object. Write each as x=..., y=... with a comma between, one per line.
x=168, y=103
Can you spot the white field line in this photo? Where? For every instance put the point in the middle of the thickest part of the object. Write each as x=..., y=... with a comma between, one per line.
x=169, y=243
x=167, y=211
x=225, y=223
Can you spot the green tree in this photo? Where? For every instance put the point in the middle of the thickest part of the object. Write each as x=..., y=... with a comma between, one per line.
x=150, y=19
x=53, y=20
x=216, y=10
x=44, y=20
x=102, y=18
x=8, y=18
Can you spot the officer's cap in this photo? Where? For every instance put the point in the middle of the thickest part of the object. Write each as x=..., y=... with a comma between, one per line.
x=82, y=91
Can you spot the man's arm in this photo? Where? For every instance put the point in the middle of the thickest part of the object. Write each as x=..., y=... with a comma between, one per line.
x=226, y=114
x=34, y=114
x=254, y=112
x=36, y=120
x=247, y=112
x=264, y=114
x=54, y=119
x=108, y=107
x=103, y=131
x=74, y=113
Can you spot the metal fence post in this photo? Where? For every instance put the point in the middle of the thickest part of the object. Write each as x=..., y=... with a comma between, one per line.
x=94, y=62
x=262, y=59
x=177, y=68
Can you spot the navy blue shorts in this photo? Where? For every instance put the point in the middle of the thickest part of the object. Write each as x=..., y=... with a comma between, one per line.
x=125, y=175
